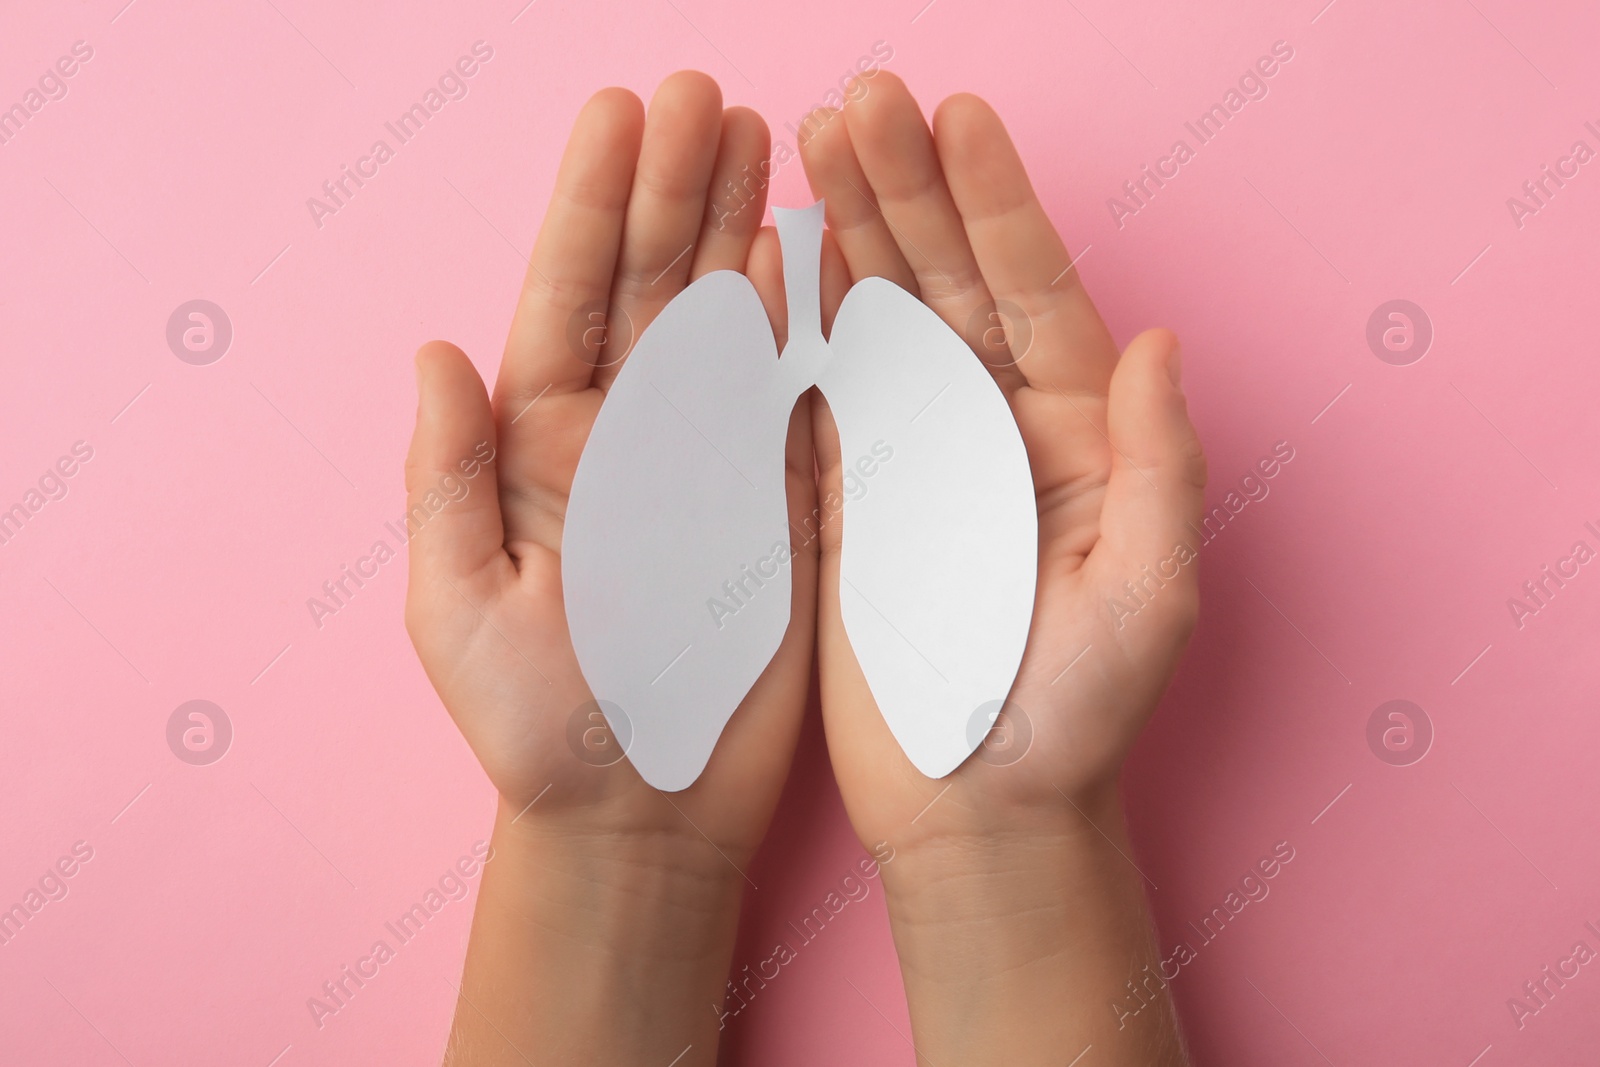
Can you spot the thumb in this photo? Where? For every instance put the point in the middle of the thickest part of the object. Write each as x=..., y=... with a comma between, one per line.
x=1156, y=491
x=452, y=516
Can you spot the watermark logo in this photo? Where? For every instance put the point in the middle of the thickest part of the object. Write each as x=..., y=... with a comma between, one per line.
x=199, y=332
x=599, y=733
x=199, y=732
x=999, y=732
x=599, y=334
x=1002, y=331
x=1399, y=332
x=1399, y=733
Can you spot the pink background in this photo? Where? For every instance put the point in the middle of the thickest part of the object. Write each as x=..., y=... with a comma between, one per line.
x=219, y=498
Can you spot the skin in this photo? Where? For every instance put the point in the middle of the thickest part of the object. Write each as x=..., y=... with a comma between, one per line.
x=605, y=922
x=1017, y=912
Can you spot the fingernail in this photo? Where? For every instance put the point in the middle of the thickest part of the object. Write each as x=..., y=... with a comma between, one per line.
x=1175, y=365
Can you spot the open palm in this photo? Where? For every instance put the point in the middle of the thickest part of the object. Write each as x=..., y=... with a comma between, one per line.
x=949, y=214
x=634, y=217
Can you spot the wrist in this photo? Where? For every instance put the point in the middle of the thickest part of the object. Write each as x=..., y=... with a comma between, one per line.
x=593, y=947
x=616, y=890
x=1016, y=942
x=987, y=867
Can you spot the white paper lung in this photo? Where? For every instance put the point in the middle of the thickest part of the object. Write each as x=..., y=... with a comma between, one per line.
x=940, y=546
x=675, y=552
x=678, y=506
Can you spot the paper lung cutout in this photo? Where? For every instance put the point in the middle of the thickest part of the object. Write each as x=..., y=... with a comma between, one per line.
x=679, y=490
x=675, y=551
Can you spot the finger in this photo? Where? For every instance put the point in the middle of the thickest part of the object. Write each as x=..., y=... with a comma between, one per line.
x=825, y=527
x=665, y=207
x=1061, y=341
x=898, y=156
x=452, y=495
x=853, y=215
x=738, y=194
x=1155, y=495
x=574, y=258
x=766, y=273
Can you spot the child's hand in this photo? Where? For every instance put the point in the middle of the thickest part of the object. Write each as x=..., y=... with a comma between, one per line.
x=596, y=873
x=1119, y=475
x=1117, y=468
x=485, y=607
